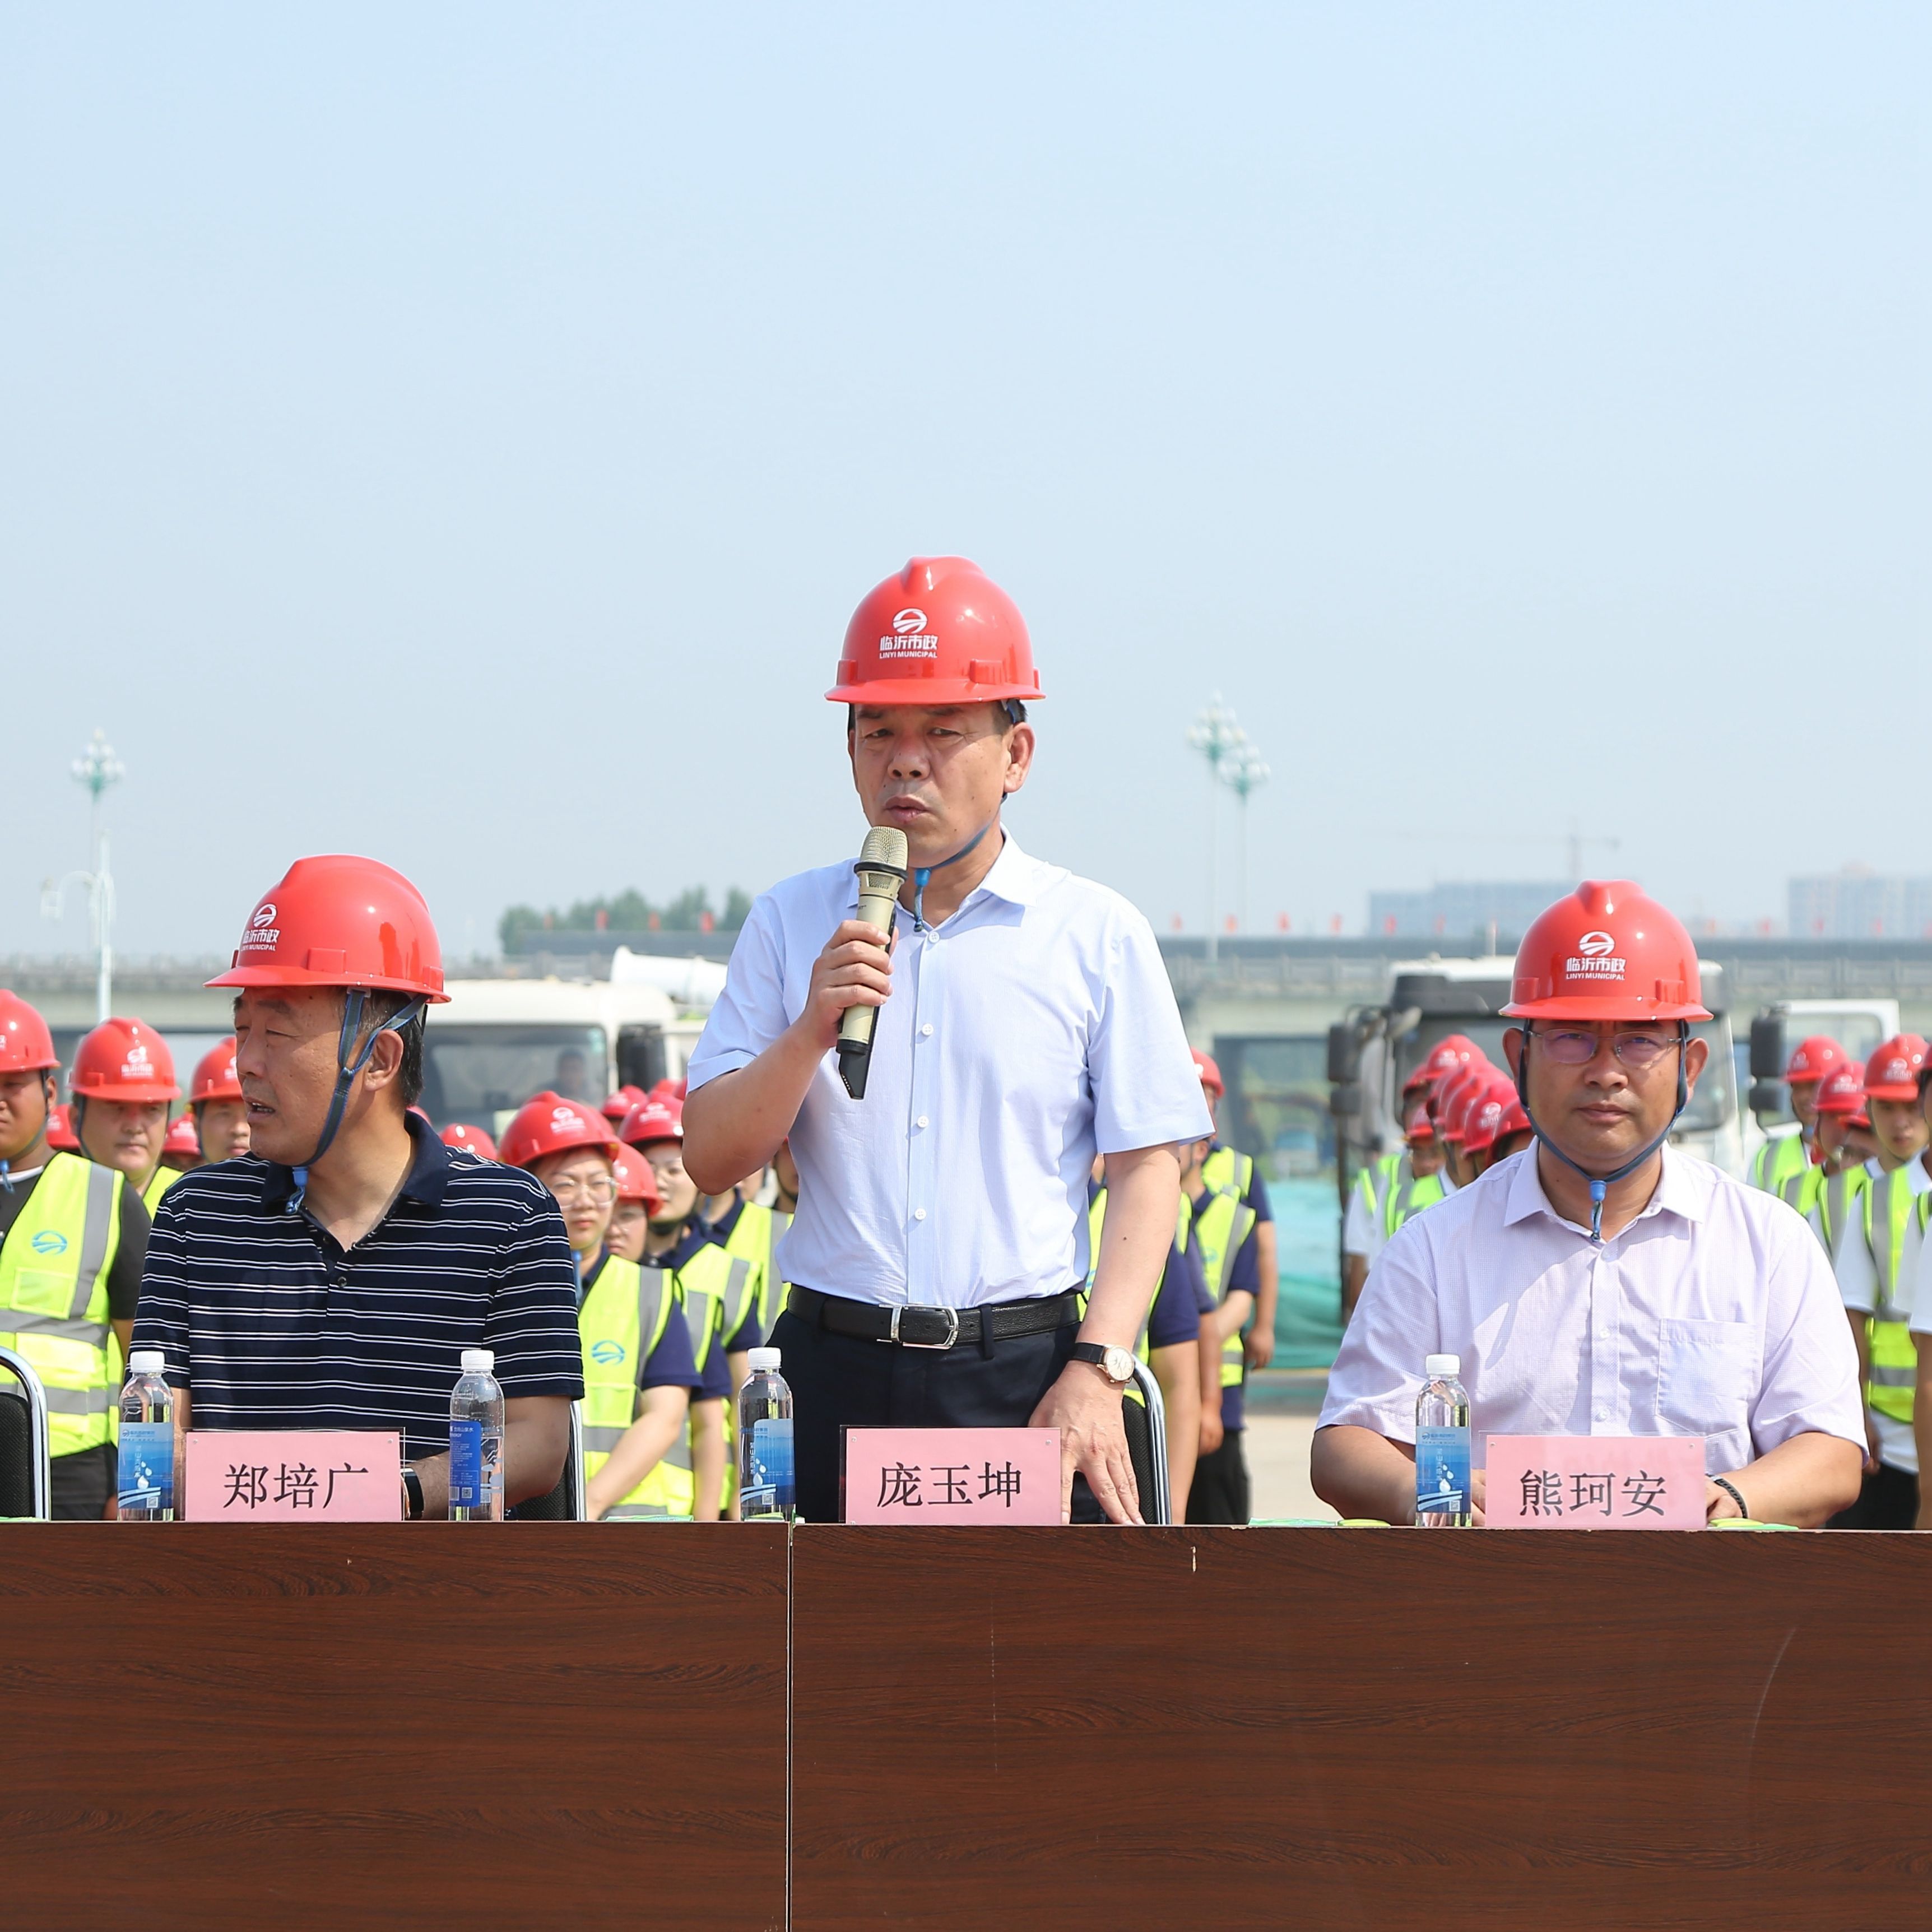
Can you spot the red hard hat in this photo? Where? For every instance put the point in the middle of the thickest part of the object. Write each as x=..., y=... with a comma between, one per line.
x=940, y=632
x=214, y=1077
x=1843, y=1090
x=340, y=921
x=182, y=1137
x=1606, y=953
x=124, y=1060
x=473, y=1138
x=1452, y=1094
x=1813, y=1057
x=654, y=1121
x=636, y=1179
x=1496, y=1110
x=1210, y=1074
x=1445, y=1057
x=61, y=1136
x=25, y=1042
x=1418, y=1126
x=549, y=1124
x=1892, y=1072
x=616, y=1107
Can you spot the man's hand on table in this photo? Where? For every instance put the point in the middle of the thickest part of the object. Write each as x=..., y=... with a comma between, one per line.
x=1085, y=1408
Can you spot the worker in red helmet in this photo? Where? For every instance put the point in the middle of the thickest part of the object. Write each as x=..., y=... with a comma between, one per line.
x=1880, y=1232
x=638, y=1198
x=181, y=1149
x=459, y=1135
x=638, y=1373
x=1224, y=1170
x=1787, y=1164
x=73, y=1235
x=1415, y=1176
x=390, y=1253
x=123, y=1079
x=1024, y=1022
x=220, y=1114
x=1605, y=1283
x=616, y=1108
x=1449, y=1102
x=1491, y=1125
x=1843, y=1132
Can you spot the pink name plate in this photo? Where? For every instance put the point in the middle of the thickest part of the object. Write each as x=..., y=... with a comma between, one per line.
x=952, y=1475
x=1595, y=1482
x=294, y=1475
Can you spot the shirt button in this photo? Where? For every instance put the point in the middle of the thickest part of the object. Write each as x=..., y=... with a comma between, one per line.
x=920, y=1122
x=927, y=1029
x=919, y=1213
x=1602, y=1415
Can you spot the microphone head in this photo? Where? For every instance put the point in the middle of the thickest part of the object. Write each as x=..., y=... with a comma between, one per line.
x=885, y=847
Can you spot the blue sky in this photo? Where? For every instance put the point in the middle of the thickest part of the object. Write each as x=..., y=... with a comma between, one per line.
x=460, y=434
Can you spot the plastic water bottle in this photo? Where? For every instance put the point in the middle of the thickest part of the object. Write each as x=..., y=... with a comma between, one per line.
x=1443, y=1500
x=766, y=1489
x=146, y=1482
x=476, y=1441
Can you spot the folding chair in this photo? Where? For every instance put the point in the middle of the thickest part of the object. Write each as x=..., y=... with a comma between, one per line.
x=26, y=1479
x=564, y=1504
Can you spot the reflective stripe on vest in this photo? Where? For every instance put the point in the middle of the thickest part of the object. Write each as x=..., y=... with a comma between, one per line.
x=1778, y=1160
x=754, y=1238
x=53, y=1297
x=1888, y=1207
x=1412, y=1192
x=1220, y=1223
x=1802, y=1189
x=1839, y=1202
x=163, y=1178
x=622, y=1319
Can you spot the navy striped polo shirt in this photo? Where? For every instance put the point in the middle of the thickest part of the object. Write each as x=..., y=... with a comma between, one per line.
x=272, y=1324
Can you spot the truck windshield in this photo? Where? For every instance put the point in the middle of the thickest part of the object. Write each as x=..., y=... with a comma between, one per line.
x=482, y=1074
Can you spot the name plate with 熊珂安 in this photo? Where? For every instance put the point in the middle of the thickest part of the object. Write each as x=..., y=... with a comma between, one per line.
x=294, y=1475
x=1594, y=1482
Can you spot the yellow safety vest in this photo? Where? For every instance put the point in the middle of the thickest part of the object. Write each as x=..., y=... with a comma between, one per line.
x=1777, y=1161
x=710, y=1285
x=622, y=1319
x=753, y=1239
x=1096, y=1214
x=1838, y=1204
x=1804, y=1188
x=53, y=1298
x=164, y=1177
x=1394, y=1193
x=1220, y=1223
x=1889, y=1204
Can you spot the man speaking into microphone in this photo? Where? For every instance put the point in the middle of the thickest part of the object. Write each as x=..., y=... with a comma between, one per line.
x=1023, y=1020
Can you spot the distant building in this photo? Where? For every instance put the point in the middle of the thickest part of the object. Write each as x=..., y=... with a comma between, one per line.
x=1858, y=904
x=1457, y=911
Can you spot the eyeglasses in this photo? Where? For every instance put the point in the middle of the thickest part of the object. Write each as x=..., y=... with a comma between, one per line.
x=600, y=1189
x=1569, y=1047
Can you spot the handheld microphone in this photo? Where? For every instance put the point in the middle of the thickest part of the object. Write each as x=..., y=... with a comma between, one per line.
x=882, y=870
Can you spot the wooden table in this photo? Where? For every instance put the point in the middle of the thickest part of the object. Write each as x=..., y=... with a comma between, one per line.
x=586, y=1725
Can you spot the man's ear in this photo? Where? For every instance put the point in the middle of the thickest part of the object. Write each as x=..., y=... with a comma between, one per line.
x=1513, y=1050
x=385, y=1060
x=1696, y=1058
x=1020, y=744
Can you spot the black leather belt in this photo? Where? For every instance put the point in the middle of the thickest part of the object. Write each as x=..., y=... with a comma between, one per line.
x=918, y=1328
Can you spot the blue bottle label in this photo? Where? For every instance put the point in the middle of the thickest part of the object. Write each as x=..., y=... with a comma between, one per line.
x=769, y=1490
x=1442, y=1472
x=147, y=1476
x=476, y=1464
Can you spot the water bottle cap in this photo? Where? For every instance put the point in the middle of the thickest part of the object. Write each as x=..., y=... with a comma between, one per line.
x=478, y=1361
x=758, y=1360
x=147, y=1361
x=1442, y=1365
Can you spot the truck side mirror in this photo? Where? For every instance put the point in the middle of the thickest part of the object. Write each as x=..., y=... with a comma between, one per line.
x=1344, y=1053
x=1767, y=1097
x=1767, y=1048
x=1344, y=1102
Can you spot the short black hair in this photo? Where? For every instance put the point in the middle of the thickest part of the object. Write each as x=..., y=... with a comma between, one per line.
x=383, y=1004
x=1014, y=707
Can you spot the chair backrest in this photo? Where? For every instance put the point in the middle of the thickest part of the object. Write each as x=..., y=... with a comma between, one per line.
x=1146, y=1424
x=25, y=1478
x=565, y=1503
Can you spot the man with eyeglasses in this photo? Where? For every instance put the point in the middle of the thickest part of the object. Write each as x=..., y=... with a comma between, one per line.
x=1601, y=1283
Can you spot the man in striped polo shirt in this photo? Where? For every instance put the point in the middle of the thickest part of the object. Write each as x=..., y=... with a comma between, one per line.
x=332, y=1277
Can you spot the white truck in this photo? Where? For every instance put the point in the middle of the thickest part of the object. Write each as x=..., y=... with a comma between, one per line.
x=1372, y=1051
x=497, y=1042
x=1857, y=1025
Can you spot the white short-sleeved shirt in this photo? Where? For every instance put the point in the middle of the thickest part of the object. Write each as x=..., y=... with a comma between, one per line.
x=1713, y=1314
x=1033, y=1027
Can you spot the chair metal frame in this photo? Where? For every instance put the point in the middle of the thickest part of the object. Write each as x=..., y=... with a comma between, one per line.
x=573, y=1465
x=1156, y=1411
x=22, y=1372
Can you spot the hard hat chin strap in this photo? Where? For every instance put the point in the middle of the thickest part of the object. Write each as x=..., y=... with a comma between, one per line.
x=922, y=873
x=354, y=1005
x=1601, y=1184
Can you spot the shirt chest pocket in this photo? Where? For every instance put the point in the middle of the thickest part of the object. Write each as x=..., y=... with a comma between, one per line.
x=1706, y=1376
x=42, y=1292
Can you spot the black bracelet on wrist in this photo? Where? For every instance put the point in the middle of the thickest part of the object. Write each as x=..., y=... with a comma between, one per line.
x=1736, y=1494
x=413, y=1484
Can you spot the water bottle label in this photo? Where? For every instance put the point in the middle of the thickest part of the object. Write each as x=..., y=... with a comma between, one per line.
x=1442, y=1472
x=147, y=1479
x=769, y=1492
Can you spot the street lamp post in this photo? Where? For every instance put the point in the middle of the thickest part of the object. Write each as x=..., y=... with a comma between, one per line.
x=1216, y=736
x=1244, y=771
x=97, y=768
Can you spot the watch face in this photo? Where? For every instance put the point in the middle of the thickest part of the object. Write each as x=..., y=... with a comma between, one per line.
x=1119, y=1366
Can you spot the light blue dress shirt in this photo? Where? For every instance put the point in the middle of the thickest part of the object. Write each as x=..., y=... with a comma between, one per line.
x=1034, y=1026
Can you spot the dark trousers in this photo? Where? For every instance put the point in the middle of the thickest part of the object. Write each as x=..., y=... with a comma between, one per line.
x=838, y=1380
x=1220, y=1490
x=80, y=1483
x=1888, y=1499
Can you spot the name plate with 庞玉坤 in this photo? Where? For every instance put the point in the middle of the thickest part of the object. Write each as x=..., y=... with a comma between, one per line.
x=1594, y=1482
x=952, y=1475
x=294, y=1475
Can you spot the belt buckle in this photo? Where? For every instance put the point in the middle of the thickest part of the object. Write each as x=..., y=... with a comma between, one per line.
x=952, y=1327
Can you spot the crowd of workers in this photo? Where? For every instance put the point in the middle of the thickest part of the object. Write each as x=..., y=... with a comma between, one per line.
x=673, y=1288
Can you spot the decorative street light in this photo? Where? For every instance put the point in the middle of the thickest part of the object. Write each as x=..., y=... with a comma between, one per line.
x=1244, y=770
x=1216, y=736
x=97, y=768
